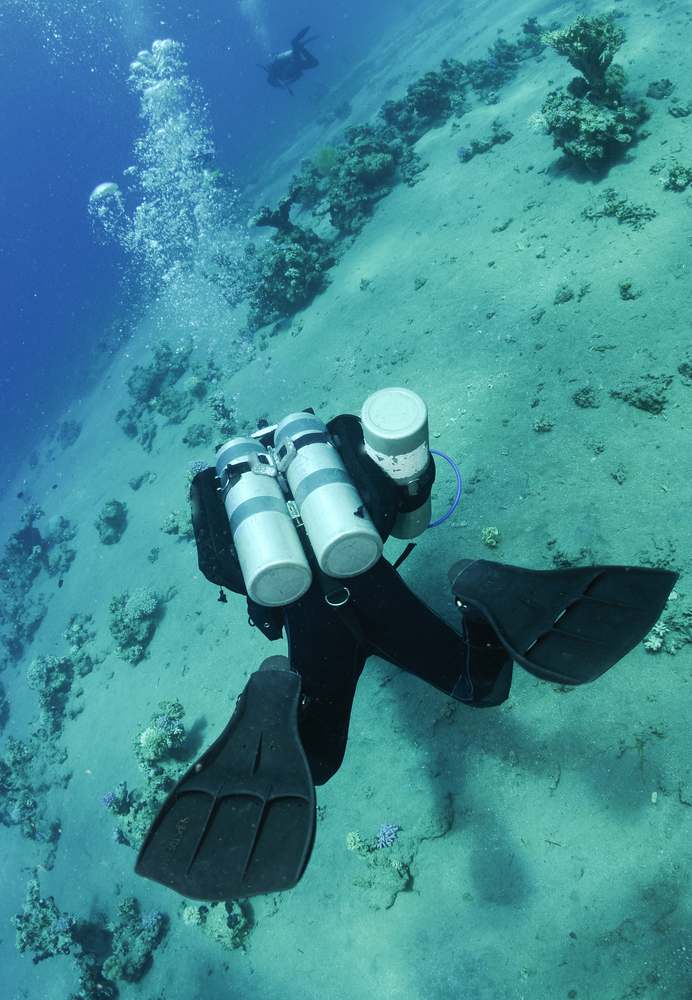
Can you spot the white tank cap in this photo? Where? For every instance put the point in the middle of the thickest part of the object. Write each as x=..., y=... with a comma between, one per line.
x=395, y=421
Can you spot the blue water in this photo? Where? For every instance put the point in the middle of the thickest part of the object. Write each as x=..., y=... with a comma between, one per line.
x=68, y=122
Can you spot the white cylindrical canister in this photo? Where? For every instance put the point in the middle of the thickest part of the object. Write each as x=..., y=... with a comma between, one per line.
x=342, y=535
x=275, y=568
x=395, y=429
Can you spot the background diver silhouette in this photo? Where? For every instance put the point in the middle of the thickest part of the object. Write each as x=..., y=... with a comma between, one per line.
x=287, y=67
x=241, y=821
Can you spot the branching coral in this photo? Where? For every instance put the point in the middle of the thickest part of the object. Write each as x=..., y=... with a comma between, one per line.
x=132, y=622
x=590, y=44
x=41, y=927
x=162, y=737
x=291, y=268
x=590, y=122
x=589, y=132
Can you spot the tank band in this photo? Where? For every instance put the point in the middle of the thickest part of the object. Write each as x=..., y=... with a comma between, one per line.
x=257, y=505
x=317, y=479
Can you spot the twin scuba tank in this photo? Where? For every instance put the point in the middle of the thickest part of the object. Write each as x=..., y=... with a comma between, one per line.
x=255, y=485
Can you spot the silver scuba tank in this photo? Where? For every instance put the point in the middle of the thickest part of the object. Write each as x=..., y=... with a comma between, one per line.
x=274, y=566
x=395, y=429
x=342, y=535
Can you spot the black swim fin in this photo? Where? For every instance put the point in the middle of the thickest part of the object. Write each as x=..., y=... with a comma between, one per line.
x=567, y=626
x=241, y=821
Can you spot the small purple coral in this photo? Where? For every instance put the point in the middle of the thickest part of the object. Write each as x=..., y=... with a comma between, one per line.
x=110, y=800
x=151, y=921
x=387, y=835
x=464, y=153
x=195, y=466
x=62, y=924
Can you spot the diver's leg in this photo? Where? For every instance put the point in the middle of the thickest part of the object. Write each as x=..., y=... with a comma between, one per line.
x=329, y=660
x=307, y=60
x=471, y=665
x=302, y=58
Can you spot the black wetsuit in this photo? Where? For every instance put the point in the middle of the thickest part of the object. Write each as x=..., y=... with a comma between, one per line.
x=328, y=646
x=287, y=67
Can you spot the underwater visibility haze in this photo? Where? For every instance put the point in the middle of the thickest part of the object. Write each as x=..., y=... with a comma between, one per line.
x=214, y=218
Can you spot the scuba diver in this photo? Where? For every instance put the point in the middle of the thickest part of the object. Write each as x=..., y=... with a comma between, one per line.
x=294, y=518
x=288, y=67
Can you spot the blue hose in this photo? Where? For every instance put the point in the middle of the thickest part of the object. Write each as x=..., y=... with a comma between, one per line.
x=434, y=524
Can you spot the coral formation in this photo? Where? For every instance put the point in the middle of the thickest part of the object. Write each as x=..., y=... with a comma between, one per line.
x=103, y=952
x=23, y=790
x=68, y=433
x=219, y=414
x=563, y=293
x=179, y=523
x=290, y=269
x=41, y=927
x=502, y=62
x=25, y=555
x=197, y=435
x=195, y=466
x=375, y=157
x=586, y=131
x=386, y=876
x=4, y=707
x=225, y=923
x=159, y=750
x=136, y=809
x=148, y=381
x=162, y=737
x=196, y=386
x=614, y=207
x=24, y=768
x=590, y=44
x=59, y=556
x=497, y=135
x=386, y=836
x=433, y=98
x=152, y=389
x=138, y=481
x=173, y=404
x=585, y=398
x=628, y=291
x=357, y=845
x=673, y=630
x=491, y=537
x=541, y=425
x=653, y=642
x=117, y=802
x=326, y=158
x=370, y=162
x=345, y=182
x=678, y=178
x=289, y=278
x=135, y=937
x=649, y=393
x=111, y=522
x=77, y=633
x=660, y=89
x=52, y=677
x=132, y=622
x=590, y=122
